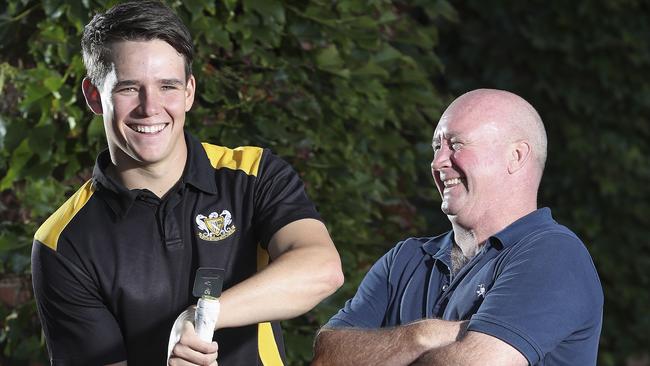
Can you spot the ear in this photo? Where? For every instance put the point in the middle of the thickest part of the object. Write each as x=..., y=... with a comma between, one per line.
x=519, y=155
x=93, y=98
x=189, y=92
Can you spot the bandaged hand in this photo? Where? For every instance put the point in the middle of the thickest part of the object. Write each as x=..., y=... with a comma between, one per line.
x=191, y=350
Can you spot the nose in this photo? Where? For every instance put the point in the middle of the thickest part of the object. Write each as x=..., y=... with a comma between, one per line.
x=441, y=158
x=150, y=102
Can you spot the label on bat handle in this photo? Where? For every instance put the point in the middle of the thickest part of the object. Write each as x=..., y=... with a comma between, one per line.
x=208, y=282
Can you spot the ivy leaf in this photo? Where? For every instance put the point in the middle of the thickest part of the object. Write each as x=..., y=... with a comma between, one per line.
x=40, y=141
x=195, y=7
x=4, y=72
x=33, y=92
x=19, y=158
x=53, y=83
x=96, y=129
x=272, y=10
x=10, y=241
x=230, y=4
x=371, y=69
x=329, y=58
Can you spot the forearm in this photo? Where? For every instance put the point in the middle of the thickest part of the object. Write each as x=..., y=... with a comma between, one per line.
x=388, y=346
x=473, y=349
x=291, y=285
x=448, y=355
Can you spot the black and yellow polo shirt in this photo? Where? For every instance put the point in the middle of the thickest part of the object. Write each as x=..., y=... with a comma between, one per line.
x=112, y=268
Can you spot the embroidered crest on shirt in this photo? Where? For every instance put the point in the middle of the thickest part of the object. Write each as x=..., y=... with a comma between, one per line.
x=480, y=291
x=215, y=226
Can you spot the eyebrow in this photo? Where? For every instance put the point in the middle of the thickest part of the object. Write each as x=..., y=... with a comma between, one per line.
x=171, y=81
x=123, y=83
x=451, y=135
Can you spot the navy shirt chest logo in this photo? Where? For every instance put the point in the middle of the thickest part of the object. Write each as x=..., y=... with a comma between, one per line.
x=215, y=226
x=480, y=290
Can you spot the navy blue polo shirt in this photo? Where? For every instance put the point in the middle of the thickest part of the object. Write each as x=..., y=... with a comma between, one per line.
x=533, y=285
x=113, y=268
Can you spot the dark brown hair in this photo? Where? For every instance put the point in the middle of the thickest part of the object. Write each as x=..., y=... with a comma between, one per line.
x=132, y=21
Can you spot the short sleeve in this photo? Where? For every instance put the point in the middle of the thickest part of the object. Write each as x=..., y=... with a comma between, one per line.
x=546, y=292
x=368, y=307
x=280, y=197
x=79, y=329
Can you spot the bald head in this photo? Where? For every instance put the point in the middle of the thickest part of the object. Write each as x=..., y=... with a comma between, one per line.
x=489, y=149
x=519, y=120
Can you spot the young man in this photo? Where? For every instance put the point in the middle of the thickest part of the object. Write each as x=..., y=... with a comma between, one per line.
x=506, y=286
x=115, y=265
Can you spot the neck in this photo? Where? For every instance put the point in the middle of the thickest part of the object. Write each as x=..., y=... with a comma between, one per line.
x=140, y=178
x=157, y=178
x=466, y=239
x=470, y=235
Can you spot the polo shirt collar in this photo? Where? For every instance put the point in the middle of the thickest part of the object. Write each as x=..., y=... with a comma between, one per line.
x=439, y=247
x=518, y=229
x=196, y=173
x=198, y=169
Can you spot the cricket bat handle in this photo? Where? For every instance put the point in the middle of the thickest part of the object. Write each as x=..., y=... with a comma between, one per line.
x=205, y=318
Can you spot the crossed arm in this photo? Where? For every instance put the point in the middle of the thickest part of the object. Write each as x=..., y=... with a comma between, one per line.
x=426, y=342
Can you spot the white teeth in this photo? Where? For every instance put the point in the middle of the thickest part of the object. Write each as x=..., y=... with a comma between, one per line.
x=147, y=128
x=452, y=182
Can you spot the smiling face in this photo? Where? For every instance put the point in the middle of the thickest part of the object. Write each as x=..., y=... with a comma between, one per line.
x=470, y=161
x=143, y=101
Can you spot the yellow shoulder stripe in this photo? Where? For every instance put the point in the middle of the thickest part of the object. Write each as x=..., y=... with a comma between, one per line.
x=245, y=158
x=269, y=353
x=49, y=232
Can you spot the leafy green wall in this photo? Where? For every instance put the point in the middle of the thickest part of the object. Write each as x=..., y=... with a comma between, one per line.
x=348, y=92
x=340, y=89
x=586, y=66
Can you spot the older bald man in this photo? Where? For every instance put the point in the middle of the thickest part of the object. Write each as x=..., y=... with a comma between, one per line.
x=507, y=285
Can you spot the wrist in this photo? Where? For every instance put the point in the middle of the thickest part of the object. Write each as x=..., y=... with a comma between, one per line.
x=435, y=333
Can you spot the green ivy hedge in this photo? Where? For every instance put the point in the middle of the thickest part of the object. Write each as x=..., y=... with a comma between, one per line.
x=348, y=92
x=586, y=66
x=343, y=90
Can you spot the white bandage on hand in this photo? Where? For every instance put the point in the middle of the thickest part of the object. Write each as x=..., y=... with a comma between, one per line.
x=204, y=317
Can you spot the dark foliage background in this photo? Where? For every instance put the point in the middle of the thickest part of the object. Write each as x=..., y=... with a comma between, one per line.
x=586, y=67
x=348, y=91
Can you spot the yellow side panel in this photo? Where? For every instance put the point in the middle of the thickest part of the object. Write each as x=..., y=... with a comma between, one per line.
x=49, y=232
x=267, y=347
x=269, y=353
